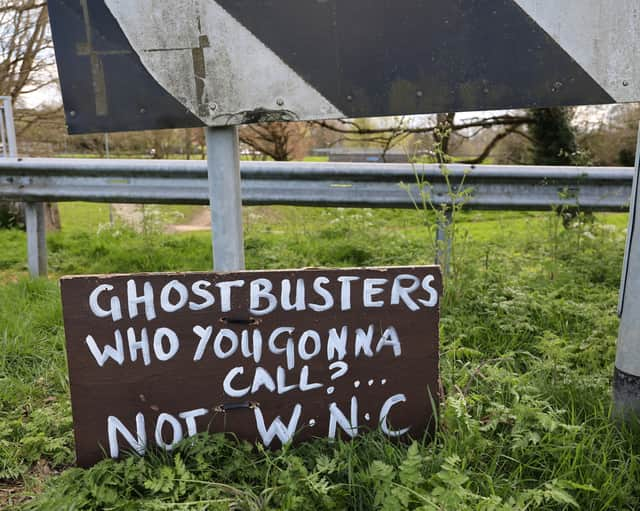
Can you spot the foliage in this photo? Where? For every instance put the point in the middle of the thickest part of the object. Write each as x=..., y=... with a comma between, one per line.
x=11, y=215
x=527, y=353
x=554, y=140
x=280, y=141
x=441, y=219
x=609, y=134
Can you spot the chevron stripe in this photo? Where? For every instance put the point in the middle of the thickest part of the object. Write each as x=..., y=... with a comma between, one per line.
x=601, y=35
x=231, y=78
x=381, y=57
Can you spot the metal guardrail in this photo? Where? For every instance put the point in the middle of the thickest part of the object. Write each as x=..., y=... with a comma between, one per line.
x=318, y=184
x=375, y=185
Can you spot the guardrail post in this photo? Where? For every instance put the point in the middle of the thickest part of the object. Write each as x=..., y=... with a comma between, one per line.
x=626, y=381
x=223, y=163
x=443, y=241
x=7, y=129
x=36, y=239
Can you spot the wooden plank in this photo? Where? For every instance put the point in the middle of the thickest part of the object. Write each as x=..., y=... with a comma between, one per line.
x=319, y=352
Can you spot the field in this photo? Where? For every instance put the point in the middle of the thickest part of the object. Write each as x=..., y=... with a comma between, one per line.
x=528, y=342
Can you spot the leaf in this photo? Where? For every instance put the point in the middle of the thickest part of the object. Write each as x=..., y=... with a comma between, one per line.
x=410, y=469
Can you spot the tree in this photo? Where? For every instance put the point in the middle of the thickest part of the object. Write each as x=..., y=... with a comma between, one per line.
x=554, y=143
x=609, y=134
x=26, y=51
x=281, y=141
x=553, y=137
x=26, y=63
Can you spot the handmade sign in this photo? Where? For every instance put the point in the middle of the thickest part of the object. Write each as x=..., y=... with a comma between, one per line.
x=146, y=64
x=269, y=356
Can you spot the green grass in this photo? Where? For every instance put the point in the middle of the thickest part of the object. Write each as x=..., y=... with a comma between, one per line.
x=528, y=343
x=83, y=217
x=91, y=217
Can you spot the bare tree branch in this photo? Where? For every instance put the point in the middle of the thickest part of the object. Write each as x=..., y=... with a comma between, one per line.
x=445, y=126
x=491, y=145
x=26, y=56
x=280, y=141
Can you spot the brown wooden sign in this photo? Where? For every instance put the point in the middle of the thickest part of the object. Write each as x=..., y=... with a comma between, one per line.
x=155, y=358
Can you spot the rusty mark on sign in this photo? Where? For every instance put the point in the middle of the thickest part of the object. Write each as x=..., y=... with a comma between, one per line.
x=86, y=49
x=200, y=74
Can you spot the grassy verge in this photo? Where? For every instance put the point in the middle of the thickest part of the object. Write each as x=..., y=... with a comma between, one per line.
x=528, y=330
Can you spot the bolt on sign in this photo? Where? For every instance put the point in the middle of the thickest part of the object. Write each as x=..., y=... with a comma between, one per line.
x=147, y=64
x=271, y=356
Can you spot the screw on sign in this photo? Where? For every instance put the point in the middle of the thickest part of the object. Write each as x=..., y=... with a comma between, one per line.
x=269, y=356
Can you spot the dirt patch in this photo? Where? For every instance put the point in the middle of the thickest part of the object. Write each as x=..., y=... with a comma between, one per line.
x=133, y=215
x=200, y=221
x=13, y=494
x=130, y=214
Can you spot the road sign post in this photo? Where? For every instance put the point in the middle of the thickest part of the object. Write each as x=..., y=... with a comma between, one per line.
x=626, y=383
x=225, y=198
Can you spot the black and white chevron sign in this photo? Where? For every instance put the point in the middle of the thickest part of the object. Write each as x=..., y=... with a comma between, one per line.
x=142, y=64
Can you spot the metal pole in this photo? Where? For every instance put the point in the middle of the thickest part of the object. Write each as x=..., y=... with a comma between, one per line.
x=626, y=381
x=33, y=211
x=225, y=198
x=36, y=239
x=11, y=132
x=3, y=142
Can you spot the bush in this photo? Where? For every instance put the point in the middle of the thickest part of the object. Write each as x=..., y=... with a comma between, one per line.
x=11, y=215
